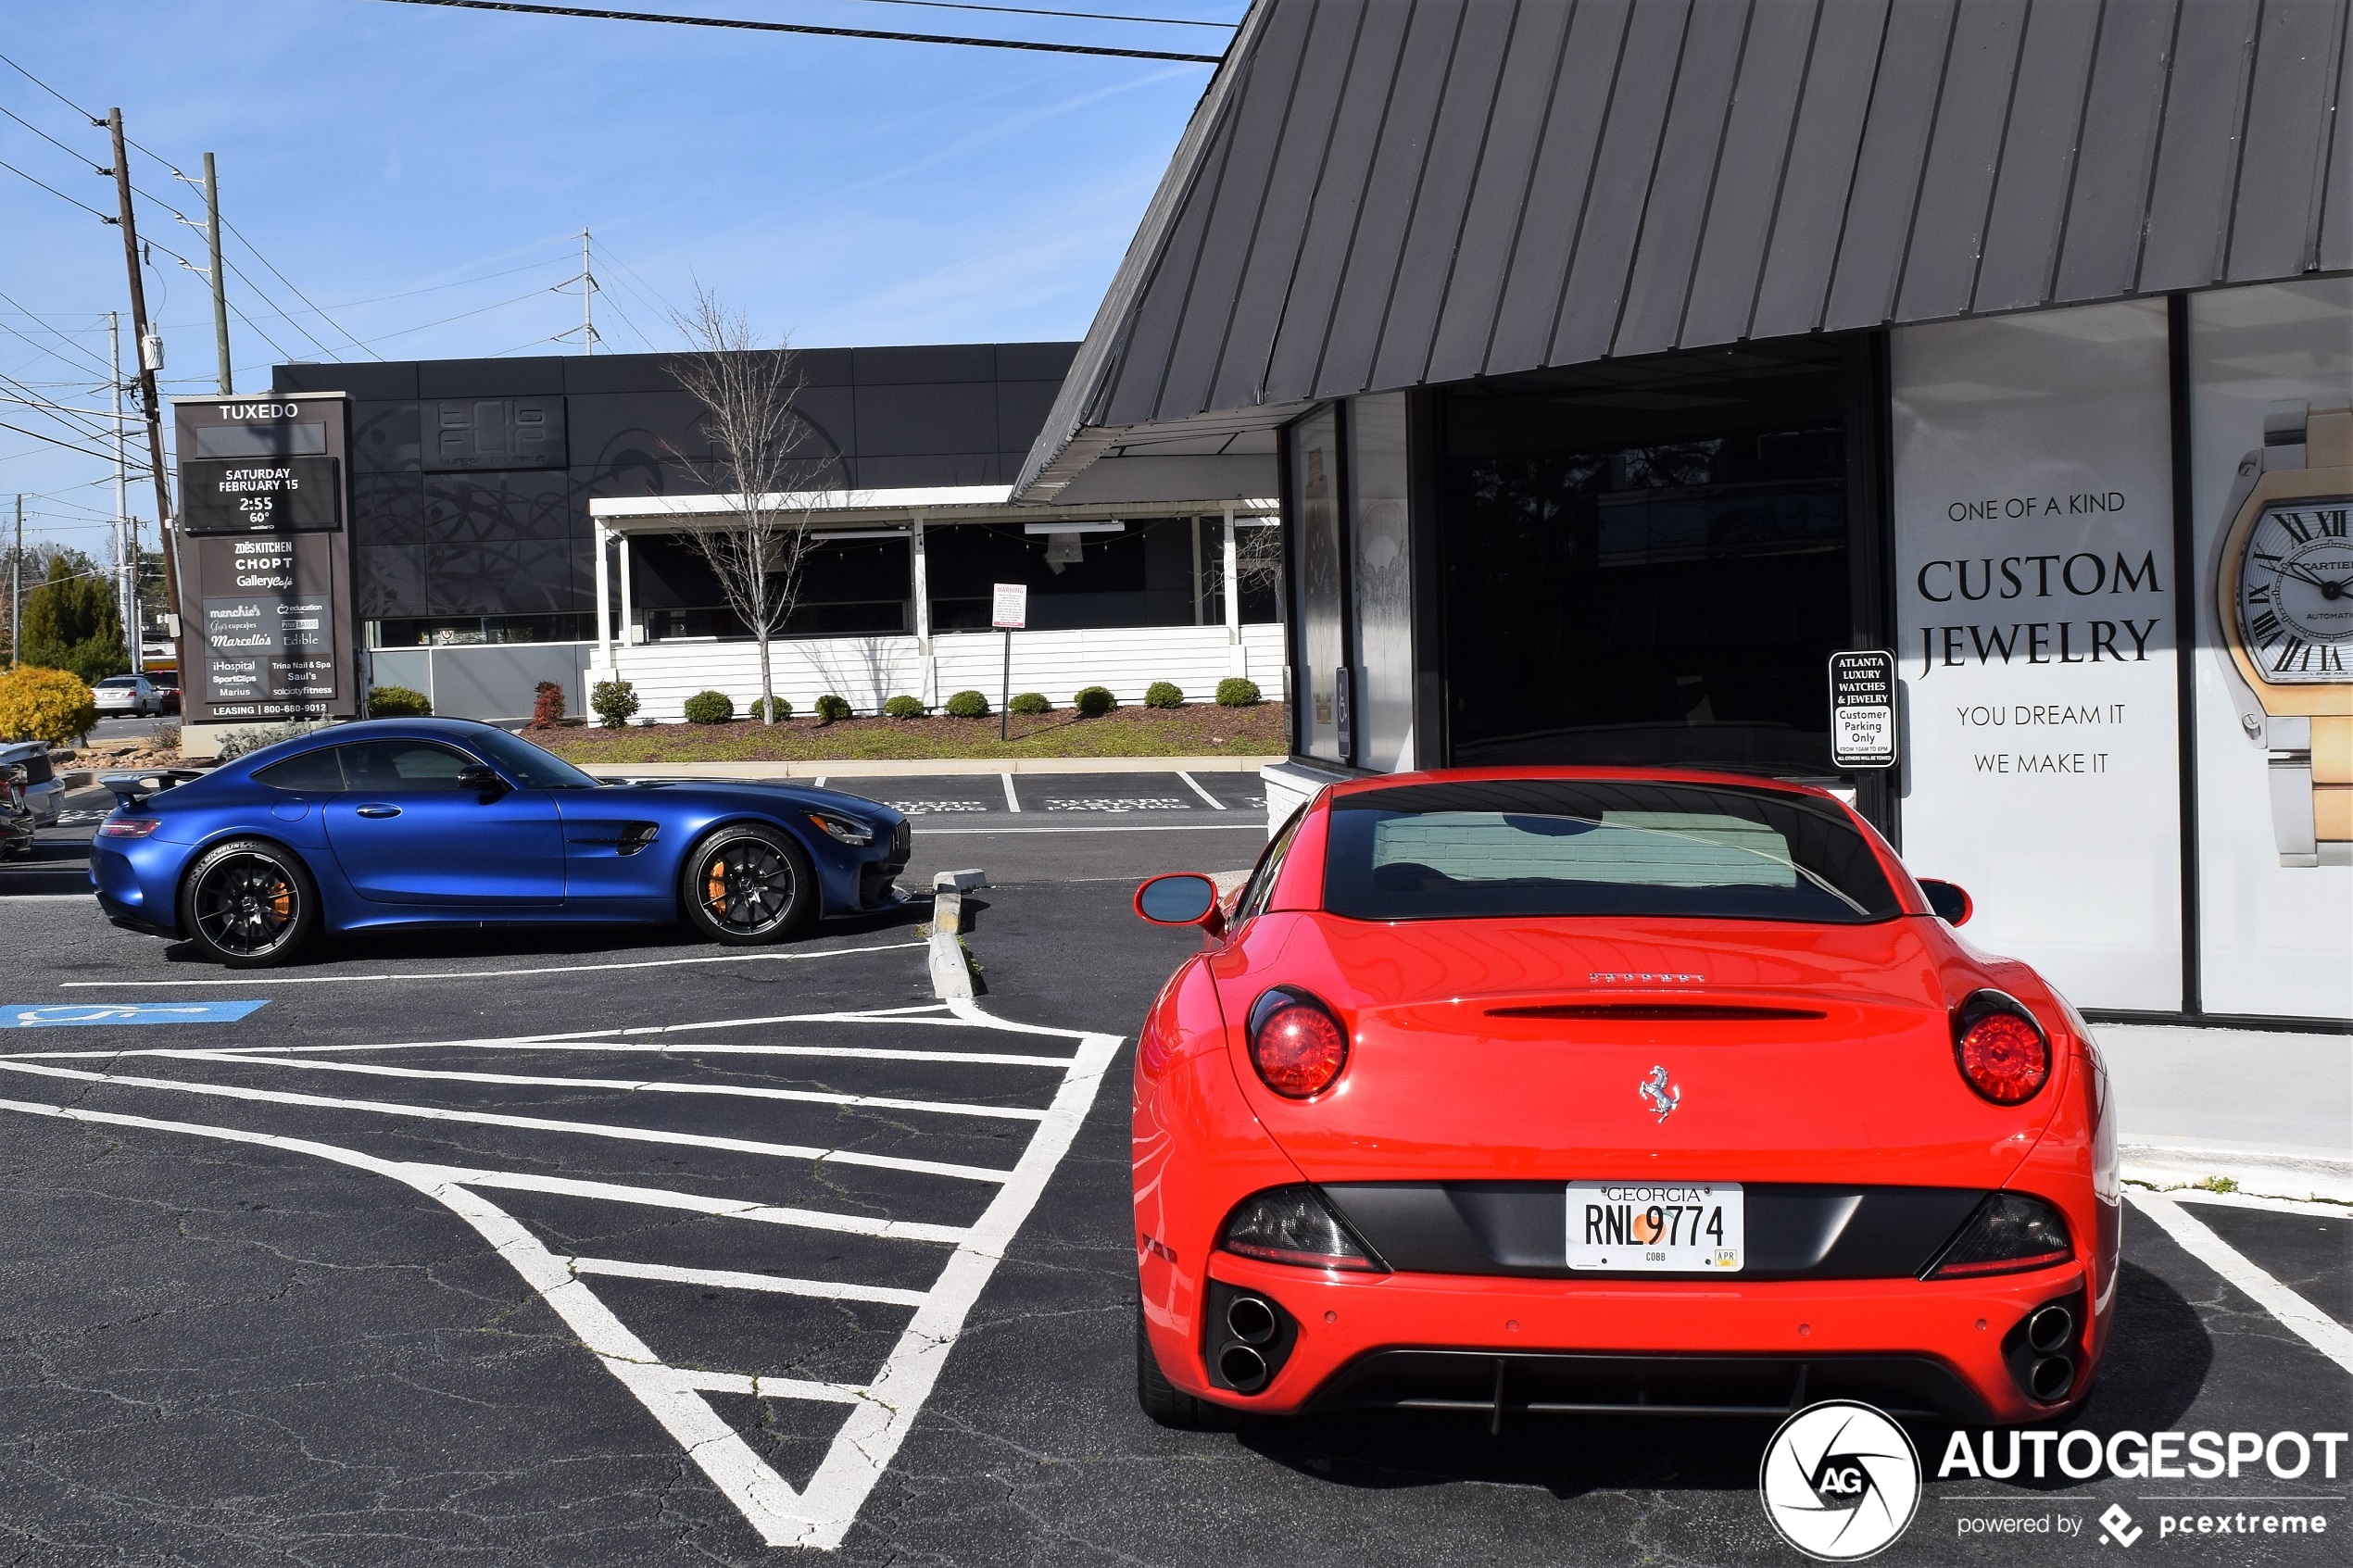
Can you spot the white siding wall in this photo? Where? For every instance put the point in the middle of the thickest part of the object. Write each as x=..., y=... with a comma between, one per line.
x=866, y=671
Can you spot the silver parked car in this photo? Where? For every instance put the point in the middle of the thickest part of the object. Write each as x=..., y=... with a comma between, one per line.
x=135, y=695
x=44, y=795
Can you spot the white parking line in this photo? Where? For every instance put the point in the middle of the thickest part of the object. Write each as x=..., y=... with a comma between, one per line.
x=1012, y=801
x=1194, y=784
x=625, y=1086
x=527, y=1124
x=257, y=977
x=2294, y=1313
x=734, y=1279
x=2248, y=1200
x=879, y=1413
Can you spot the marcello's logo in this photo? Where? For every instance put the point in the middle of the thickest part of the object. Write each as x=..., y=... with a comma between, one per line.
x=1839, y=1481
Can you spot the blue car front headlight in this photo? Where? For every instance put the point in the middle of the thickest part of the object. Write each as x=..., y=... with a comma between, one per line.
x=843, y=829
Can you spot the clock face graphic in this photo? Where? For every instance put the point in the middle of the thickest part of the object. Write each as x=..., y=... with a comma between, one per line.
x=2295, y=592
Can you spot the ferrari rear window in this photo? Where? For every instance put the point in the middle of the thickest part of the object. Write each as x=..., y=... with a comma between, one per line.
x=1583, y=846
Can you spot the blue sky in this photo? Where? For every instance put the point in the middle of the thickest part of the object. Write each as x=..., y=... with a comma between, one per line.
x=422, y=175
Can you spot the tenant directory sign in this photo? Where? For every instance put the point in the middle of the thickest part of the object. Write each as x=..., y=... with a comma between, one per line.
x=265, y=559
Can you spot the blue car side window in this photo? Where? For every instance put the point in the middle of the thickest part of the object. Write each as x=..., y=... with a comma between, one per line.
x=313, y=773
x=403, y=767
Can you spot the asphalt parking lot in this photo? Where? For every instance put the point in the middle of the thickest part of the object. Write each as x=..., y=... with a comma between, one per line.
x=543, y=1248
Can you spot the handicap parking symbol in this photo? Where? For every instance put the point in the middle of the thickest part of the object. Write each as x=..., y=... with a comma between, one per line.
x=83, y=1015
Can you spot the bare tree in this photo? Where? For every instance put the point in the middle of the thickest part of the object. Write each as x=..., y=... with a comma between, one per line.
x=756, y=456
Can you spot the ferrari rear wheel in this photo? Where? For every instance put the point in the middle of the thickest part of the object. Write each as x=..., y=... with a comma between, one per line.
x=749, y=883
x=249, y=904
x=1162, y=1399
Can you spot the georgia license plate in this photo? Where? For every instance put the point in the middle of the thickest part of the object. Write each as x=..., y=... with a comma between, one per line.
x=1671, y=1227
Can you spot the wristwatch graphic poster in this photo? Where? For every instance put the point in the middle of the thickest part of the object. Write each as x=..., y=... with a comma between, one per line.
x=2285, y=587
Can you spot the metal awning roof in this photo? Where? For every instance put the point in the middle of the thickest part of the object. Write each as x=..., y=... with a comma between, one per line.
x=1376, y=193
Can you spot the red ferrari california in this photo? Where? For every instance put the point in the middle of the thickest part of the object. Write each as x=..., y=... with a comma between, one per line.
x=1587, y=1090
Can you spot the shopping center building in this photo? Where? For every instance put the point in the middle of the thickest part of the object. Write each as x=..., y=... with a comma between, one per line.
x=1618, y=363
x=497, y=504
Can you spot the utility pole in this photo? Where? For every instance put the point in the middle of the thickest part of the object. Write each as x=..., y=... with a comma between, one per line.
x=16, y=591
x=587, y=298
x=126, y=550
x=220, y=283
x=145, y=332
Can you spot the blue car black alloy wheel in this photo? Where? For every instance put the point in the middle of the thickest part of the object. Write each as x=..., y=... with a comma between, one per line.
x=749, y=883
x=249, y=904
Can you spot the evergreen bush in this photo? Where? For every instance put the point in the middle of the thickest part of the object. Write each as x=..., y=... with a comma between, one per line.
x=1237, y=691
x=1163, y=694
x=710, y=708
x=902, y=707
x=615, y=703
x=1030, y=704
x=398, y=702
x=968, y=705
x=1095, y=701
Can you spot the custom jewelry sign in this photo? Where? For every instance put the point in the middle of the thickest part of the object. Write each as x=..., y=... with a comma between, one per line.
x=2036, y=608
x=265, y=573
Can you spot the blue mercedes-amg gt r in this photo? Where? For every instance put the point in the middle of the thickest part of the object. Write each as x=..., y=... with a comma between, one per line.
x=420, y=822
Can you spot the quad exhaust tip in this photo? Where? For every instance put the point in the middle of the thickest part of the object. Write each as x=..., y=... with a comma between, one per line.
x=1252, y=1321
x=2049, y=1330
x=1243, y=1368
x=2051, y=1378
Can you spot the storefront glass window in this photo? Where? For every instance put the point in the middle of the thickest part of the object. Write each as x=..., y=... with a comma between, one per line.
x=1136, y=575
x=2275, y=756
x=2035, y=606
x=1384, y=571
x=1324, y=721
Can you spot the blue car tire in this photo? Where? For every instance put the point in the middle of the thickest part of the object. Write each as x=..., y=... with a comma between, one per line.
x=746, y=884
x=249, y=903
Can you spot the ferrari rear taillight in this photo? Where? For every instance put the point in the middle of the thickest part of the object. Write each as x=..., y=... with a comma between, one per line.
x=2009, y=1234
x=2001, y=1048
x=1296, y=1044
x=1292, y=1225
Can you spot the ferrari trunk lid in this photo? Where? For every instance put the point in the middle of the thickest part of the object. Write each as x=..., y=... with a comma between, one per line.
x=1830, y=1061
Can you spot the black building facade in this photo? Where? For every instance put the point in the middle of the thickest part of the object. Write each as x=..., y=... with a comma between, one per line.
x=472, y=478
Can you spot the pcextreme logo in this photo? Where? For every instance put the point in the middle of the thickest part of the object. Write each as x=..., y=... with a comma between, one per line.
x=1839, y=1481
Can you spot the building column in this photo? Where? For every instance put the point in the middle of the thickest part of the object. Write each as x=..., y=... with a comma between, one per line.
x=921, y=585
x=604, y=596
x=628, y=606
x=1237, y=658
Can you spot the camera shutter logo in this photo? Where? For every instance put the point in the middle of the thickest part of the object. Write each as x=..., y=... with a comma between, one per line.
x=1839, y=1481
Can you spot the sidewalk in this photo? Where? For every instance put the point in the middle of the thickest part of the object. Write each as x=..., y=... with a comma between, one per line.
x=2271, y=1111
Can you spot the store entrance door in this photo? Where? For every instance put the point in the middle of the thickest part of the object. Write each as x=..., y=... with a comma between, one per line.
x=1650, y=563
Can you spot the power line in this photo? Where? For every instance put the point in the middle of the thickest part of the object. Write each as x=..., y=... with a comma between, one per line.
x=85, y=207
x=1037, y=12
x=814, y=30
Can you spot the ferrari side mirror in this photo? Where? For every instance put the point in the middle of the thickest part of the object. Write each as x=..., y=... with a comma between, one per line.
x=1181, y=898
x=1949, y=901
x=482, y=778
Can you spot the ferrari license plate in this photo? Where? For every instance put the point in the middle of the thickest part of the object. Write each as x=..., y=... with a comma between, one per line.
x=1656, y=1227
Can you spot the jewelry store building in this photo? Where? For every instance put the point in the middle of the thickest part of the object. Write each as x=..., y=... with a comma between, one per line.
x=1627, y=359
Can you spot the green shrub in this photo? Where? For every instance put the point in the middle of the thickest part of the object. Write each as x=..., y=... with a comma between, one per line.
x=44, y=705
x=1237, y=691
x=1095, y=701
x=240, y=742
x=1031, y=703
x=398, y=702
x=759, y=706
x=968, y=705
x=615, y=702
x=830, y=708
x=1163, y=694
x=902, y=707
x=710, y=708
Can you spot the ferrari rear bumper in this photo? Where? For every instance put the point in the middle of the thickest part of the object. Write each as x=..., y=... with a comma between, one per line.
x=1553, y=1345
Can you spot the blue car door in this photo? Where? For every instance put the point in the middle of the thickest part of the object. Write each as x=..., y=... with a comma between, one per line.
x=405, y=832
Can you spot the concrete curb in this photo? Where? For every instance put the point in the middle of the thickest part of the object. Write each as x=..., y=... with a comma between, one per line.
x=2264, y=1172
x=951, y=977
x=925, y=767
